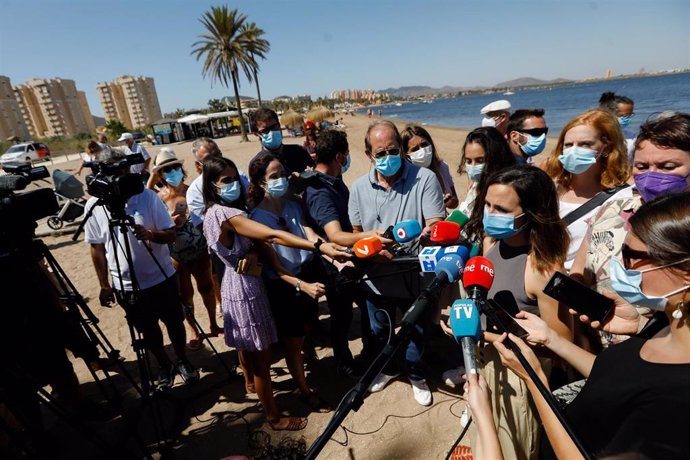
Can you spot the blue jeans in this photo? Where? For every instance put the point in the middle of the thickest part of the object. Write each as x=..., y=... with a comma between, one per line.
x=380, y=328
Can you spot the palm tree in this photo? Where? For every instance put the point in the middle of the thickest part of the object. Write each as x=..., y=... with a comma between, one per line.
x=226, y=49
x=259, y=43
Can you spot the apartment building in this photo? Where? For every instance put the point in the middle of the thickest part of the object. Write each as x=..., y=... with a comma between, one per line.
x=11, y=120
x=54, y=107
x=132, y=100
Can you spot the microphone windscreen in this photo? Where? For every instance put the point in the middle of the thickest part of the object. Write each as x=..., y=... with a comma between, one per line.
x=479, y=271
x=445, y=232
x=367, y=247
x=12, y=182
x=464, y=319
x=459, y=250
x=406, y=231
x=450, y=266
x=458, y=217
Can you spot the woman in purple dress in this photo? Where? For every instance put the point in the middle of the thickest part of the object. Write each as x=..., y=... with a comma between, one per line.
x=248, y=323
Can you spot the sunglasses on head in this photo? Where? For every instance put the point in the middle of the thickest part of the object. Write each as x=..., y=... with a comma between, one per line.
x=536, y=132
x=631, y=254
x=394, y=151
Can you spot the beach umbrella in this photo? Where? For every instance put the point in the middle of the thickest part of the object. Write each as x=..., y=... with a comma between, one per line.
x=13, y=139
x=319, y=114
x=292, y=118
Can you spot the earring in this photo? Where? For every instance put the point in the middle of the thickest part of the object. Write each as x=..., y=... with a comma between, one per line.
x=678, y=312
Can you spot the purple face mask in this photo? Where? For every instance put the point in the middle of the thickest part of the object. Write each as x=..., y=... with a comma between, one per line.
x=653, y=184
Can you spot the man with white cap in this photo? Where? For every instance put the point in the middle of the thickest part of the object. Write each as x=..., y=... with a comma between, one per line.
x=131, y=148
x=496, y=114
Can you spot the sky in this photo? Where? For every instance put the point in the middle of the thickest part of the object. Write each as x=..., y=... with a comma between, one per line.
x=323, y=45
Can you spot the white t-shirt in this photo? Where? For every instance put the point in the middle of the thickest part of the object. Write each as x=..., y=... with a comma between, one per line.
x=148, y=210
x=580, y=227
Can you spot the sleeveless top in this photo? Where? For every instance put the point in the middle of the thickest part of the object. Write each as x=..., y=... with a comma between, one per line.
x=189, y=243
x=509, y=265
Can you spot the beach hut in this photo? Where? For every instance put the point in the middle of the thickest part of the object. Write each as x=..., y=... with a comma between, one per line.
x=167, y=131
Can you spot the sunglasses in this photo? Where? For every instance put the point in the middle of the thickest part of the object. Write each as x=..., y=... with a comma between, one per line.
x=631, y=254
x=394, y=151
x=536, y=132
x=263, y=132
x=167, y=169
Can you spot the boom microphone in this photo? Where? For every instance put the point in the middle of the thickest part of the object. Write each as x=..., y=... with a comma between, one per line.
x=406, y=231
x=367, y=247
x=464, y=321
x=12, y=182
x=448, y=270
x=478, y=277
x=445, y=233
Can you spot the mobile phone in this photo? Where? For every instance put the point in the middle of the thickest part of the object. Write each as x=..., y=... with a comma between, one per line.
x=579, y=297
x=388, y=233
x=180, y=207
x=507, y=321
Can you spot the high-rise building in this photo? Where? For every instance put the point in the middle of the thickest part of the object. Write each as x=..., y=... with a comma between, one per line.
x=54, y=107
x=11, y=120
x=132, y=100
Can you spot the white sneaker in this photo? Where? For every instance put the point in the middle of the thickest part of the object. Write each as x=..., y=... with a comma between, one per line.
x=421, y=391
x=453, y=377
x=380, y=382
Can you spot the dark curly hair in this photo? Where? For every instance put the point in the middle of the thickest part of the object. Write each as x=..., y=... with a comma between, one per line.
x=214, y=167
x=548, y=234
x=257, y=173
x=329, y=143
x=610, y=100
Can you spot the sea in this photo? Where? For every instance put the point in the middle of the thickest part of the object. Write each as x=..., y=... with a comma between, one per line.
x=652, y=95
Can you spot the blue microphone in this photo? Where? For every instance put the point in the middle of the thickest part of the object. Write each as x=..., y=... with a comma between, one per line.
x=467, y=329
x=448, y=270
x=431, y=255
x=407, y=231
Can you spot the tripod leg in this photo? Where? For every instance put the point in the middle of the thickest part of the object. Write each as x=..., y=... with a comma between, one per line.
x=231, y=371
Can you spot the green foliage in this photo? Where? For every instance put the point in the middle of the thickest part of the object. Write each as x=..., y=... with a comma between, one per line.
x=115, y=128
x=216, y=105
x=83, y=136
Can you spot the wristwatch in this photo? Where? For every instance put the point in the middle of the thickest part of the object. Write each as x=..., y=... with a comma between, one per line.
x=297, y=286
x=317, y=245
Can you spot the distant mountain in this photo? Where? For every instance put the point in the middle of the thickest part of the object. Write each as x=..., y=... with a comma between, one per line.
x=98, y=121
x=528, y=81
x=409, y=91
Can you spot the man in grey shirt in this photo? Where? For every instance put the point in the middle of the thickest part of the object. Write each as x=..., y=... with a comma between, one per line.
x=393, y=191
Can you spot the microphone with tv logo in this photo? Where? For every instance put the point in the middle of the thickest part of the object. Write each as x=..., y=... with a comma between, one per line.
x=406, y=231
x=467, y=330
x=448, y=270
x=445, y=233
x=366, y=247
x=430, y=255
x=478, y=277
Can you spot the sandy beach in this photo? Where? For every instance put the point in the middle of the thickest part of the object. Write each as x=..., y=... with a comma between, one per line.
x=214, y=417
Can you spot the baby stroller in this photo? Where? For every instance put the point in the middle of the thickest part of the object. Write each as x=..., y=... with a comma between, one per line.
x=69, y=192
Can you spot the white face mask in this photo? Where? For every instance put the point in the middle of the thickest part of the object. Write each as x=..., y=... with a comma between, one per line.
x=488, y=122
x=422, y=157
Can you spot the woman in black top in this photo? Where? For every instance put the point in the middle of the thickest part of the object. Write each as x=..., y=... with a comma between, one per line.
x=637, y=395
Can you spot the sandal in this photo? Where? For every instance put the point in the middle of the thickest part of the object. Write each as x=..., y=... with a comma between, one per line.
x=194, y=345
x=316, y=403
x=293, y=424
x=216, y=331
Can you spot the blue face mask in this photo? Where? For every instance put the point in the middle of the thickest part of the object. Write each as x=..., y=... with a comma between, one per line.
x=229, y=192
x=173, y=177
x=627, y=284
x=577, y=160
x=272, y=140
x=534, y=145
x=277, y=187
x=389, y=165
x=346, y=166
x=500, y=226
x=474, y=172
x=624, y=121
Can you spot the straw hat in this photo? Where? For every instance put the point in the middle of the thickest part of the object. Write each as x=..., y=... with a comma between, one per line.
x=166, y=157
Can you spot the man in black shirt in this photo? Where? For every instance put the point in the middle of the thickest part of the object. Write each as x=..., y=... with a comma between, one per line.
x=266, y=126
x=326, y=198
